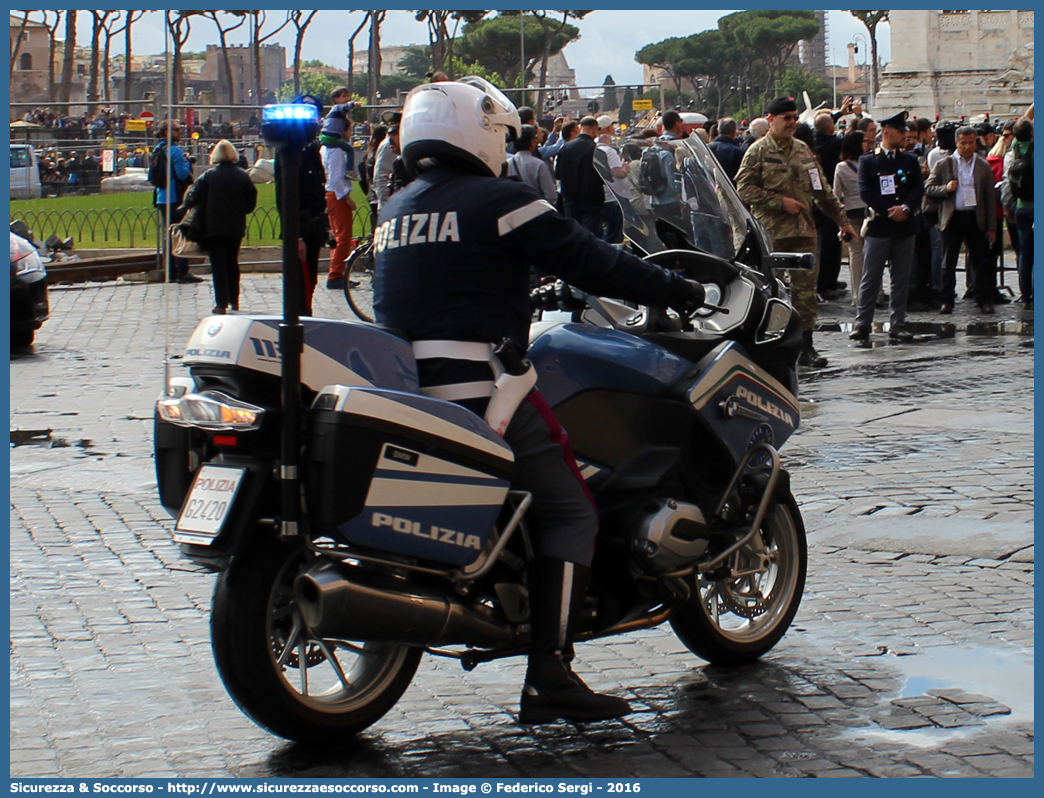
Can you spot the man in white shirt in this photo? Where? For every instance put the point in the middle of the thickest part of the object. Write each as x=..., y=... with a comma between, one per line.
x=620, y=190
x=339, y=209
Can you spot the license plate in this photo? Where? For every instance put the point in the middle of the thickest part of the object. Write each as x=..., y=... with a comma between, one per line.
x=208, y=503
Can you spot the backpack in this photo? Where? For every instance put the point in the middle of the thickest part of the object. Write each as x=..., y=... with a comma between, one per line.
x=1020, y=176
x=158, y=167
x=656, y=172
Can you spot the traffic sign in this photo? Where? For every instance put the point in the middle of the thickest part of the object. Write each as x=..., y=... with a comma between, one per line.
x=148, y=116
x=108, y=160
x=641, y=105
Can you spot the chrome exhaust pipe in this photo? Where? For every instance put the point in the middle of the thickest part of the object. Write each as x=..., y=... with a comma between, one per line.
x=346, y=603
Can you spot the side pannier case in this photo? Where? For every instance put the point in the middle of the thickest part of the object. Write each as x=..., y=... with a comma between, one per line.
x=404, y=473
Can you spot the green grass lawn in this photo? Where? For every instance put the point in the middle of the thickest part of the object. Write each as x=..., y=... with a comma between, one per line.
x=109, y=221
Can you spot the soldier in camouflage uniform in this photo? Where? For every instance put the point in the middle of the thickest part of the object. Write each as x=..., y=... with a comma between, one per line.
x=780, y=178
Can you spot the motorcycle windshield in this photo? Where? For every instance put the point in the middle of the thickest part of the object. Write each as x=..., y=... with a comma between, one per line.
x=676, y=196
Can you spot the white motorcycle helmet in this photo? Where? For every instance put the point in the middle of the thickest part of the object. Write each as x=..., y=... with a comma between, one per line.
x=468, y=121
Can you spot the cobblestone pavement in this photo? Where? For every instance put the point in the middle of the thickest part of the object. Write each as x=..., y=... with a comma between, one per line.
x=911, y=654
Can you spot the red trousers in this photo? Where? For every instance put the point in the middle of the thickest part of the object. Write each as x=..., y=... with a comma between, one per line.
x=339, y=214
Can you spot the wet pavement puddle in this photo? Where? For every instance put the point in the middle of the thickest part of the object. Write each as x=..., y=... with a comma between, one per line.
x=933, y=330
x=1004, y=676
x=951, y=693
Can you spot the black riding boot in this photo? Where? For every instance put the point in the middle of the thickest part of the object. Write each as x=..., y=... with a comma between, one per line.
x=552, y=691
x=809, y=356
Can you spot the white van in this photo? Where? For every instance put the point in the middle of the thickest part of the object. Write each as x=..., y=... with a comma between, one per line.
x=25, y=173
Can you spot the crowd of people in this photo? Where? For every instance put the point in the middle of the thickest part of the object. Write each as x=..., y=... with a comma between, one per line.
x=71, y=172
x=912, y=195
x=109, y=122
x=949, y=192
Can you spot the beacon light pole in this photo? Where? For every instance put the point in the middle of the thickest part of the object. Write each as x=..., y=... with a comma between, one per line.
x=289, y=128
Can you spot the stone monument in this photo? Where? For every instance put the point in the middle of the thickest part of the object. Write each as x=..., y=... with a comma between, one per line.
x=955, y=63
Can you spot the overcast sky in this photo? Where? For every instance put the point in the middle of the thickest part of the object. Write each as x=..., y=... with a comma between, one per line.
x=606, y=46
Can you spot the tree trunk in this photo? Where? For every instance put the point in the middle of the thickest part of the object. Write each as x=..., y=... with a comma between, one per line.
x=180, y=27
x=874, y=78
x=68, y=54
x=297, y=66
x=128, y=64
x=18, y=43
x=229, y=79
x=437, y=40
x=351, y=50
x=256, y=57
x=92, y=79
x=51, y=46
x=105, y=67
x=298, y=44
x=373, y=87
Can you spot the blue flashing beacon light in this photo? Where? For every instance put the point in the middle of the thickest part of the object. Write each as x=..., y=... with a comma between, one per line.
x=295, y=123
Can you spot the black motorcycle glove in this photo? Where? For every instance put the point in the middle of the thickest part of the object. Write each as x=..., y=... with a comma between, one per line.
x=688, y=297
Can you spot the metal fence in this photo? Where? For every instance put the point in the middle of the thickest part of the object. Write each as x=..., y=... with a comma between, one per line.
x=103, y=228
x=121, y=227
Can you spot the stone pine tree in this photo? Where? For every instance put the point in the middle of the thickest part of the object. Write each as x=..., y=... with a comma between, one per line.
x=441, y=37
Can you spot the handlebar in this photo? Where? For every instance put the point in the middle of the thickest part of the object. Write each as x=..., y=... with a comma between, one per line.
x=558, y=295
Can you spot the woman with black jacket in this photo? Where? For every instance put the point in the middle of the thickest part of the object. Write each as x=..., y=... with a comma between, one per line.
x=366, y=174
x=225, y=195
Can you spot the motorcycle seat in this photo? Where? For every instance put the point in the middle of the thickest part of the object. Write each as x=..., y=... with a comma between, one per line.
x=389, y=330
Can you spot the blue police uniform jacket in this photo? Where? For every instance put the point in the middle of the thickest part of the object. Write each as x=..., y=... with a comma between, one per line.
x=909, y=190
x=453, y=253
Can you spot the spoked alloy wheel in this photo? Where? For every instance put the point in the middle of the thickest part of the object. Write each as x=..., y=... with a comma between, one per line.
x=734, y=620
x=358, y=285
x=287, y=680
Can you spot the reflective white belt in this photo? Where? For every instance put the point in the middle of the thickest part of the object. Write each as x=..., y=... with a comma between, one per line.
x=460, y=390
x=474, y=351
x=453, y=350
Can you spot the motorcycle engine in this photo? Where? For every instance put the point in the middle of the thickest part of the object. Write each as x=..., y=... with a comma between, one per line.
x=670, y=534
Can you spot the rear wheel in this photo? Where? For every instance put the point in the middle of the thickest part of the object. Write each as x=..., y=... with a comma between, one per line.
x=282, y=677
x=358, y=285
x=734, y=620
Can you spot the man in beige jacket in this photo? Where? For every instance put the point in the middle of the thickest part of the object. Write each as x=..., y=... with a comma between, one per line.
x=963, y=183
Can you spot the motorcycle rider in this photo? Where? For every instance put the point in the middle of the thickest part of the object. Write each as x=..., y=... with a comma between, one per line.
x=453, y=254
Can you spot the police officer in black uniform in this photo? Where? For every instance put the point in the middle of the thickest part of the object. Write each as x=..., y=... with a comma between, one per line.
x=890, y=183
x=453, y=252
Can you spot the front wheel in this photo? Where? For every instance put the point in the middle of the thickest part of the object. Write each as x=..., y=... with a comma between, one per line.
x=735, y=620
x=287, y=681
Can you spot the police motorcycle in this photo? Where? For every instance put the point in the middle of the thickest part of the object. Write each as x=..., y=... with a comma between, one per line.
x=400, y=533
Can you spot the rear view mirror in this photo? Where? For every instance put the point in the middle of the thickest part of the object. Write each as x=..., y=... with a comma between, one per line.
x=804, y=261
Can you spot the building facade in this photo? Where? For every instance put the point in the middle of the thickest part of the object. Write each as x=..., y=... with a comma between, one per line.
x=958, y=63
x=273, y=72
x=29, y=82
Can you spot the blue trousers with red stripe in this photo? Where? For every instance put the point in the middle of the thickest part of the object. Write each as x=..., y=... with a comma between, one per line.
x=563, y=515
